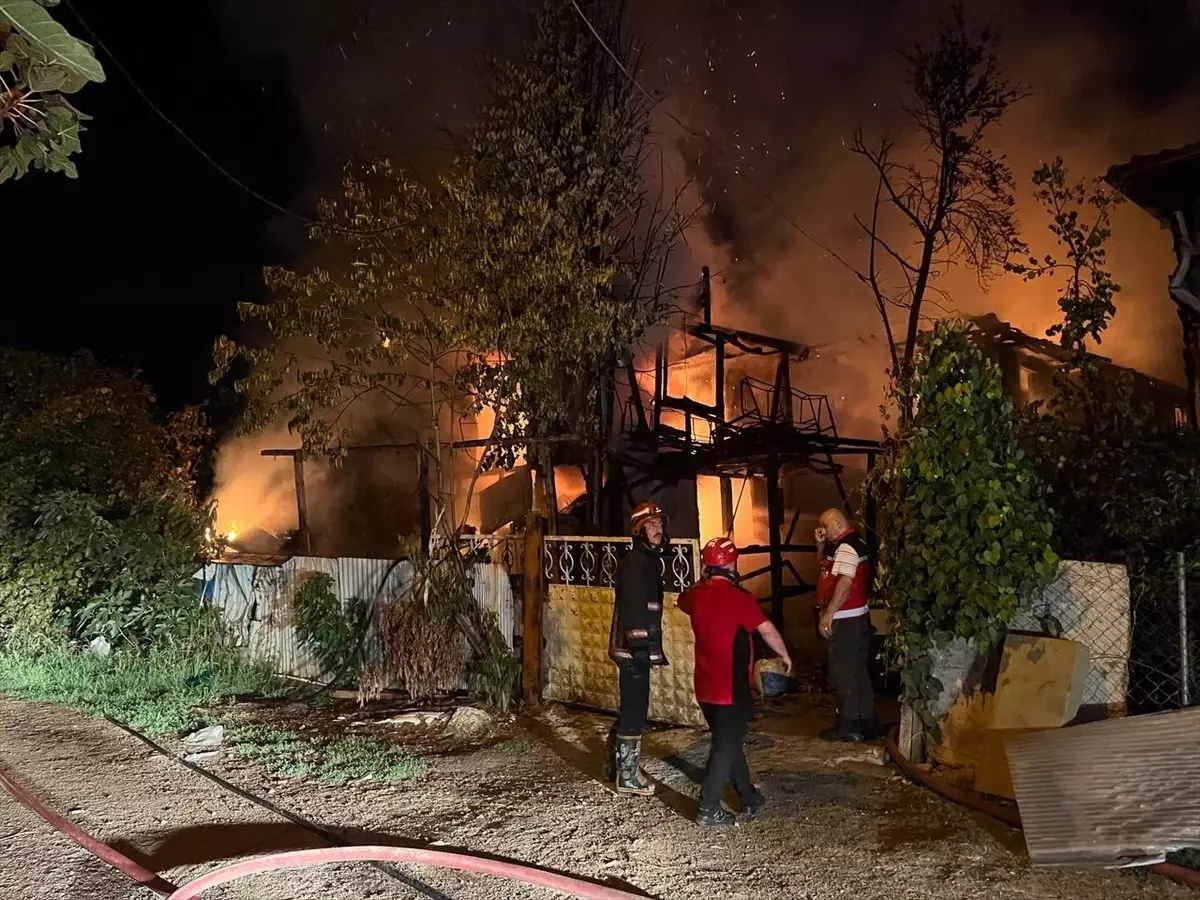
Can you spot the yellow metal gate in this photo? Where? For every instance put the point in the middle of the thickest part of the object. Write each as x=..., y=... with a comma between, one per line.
x=579, y=573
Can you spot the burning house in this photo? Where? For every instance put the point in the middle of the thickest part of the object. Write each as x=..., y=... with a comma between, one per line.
x=1027, y=366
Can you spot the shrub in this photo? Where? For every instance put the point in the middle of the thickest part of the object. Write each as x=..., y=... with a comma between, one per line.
x=100, y=523
x=965, y=531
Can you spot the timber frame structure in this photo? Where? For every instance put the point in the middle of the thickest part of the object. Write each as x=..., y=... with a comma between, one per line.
x=753, y=428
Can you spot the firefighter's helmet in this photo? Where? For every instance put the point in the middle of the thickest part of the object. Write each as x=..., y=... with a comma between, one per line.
x=643, y=513
x=719, y=553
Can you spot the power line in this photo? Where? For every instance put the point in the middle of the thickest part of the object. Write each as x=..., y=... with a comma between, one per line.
x=233, y=179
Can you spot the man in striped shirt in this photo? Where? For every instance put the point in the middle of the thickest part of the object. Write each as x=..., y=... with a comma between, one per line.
x=846, y=623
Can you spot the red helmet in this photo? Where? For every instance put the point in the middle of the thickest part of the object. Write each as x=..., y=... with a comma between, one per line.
x=719, y=553
x=643, y=513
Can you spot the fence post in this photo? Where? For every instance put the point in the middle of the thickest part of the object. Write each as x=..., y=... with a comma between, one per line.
x=531, y=619
x=1184, y=668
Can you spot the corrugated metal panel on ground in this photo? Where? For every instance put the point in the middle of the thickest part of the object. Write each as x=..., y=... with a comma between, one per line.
x=1110, y=794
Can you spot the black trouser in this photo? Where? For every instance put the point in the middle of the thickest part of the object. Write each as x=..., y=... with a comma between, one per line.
x=849, y=658
x=726, y=755
x=634, y=703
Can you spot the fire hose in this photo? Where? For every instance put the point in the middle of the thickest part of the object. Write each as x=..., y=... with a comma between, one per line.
x=462, y=862
x=1005, y=814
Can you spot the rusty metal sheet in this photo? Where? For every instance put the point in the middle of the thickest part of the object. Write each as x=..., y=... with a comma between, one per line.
x=1111, y=794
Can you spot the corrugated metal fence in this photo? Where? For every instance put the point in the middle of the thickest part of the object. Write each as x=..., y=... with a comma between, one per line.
x=257, y=600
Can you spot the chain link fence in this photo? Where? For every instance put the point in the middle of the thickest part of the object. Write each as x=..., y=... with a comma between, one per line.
x=1143, y=631
x=1164, y=658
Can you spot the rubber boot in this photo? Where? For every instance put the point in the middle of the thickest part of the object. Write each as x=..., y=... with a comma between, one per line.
x=629, y=779
x=870, y=729
x=752, y=805
x=715, y=816
x=610, y=754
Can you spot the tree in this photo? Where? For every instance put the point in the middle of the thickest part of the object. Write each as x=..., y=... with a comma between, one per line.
x=949, y=198
x=965, y=530
x=514, y=283
x=101, y=527
x=1123, y=488
x=557, y=250
x=40, y=63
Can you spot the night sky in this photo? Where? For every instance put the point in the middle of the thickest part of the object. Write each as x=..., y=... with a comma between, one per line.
x=144, y=258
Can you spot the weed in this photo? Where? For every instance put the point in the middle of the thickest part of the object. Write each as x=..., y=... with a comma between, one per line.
x=333, y=761
x=157, y=691
x=517, y=746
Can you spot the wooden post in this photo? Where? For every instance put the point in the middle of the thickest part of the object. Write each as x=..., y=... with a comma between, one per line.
x=775, y=526
x=727, y=505
x=531, y=620
x=301, y=502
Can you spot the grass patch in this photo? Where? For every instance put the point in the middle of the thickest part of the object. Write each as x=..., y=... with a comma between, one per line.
x=333, y=761
x=517, y=746
x=156, y=692
x=1189, y=858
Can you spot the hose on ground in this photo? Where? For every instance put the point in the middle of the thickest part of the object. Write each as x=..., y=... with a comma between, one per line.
x=1007, y=815
x=119, y=861
x=460, y=862
x=444, y=859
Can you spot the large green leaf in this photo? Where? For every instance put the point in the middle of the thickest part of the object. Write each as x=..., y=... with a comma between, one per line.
x=32, y=21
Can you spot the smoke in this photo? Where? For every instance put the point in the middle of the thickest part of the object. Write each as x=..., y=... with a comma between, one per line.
x=769, y=96
x=759, y=99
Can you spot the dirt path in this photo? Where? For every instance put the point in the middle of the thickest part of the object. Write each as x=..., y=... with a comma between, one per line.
x=831, y=834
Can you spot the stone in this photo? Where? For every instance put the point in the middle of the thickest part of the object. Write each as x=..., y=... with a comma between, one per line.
x=1041, y=682
x=204, y=756
x=206, y=739
x=468, y=721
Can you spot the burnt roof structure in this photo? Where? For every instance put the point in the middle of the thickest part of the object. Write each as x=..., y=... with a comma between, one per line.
x=758, y=428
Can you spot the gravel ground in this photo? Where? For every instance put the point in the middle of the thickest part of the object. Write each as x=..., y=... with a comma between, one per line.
x=840, y=826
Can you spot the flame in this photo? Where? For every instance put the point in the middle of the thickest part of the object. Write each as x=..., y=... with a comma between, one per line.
x=569, y=485
x=232, y=533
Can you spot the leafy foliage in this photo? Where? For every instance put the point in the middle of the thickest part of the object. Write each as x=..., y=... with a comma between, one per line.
x=436, y=632
x=100, y=526
x=966, y=532
x=556, y=252
x=492, y=673
x=514, y=281
x=334, y=635
x=40, y=63
x=1124, y=488
x=949, y=197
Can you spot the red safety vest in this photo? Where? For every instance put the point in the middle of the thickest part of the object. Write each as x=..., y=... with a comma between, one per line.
x=856, y=603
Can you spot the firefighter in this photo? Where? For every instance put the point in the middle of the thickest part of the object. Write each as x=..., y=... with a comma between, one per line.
x=635, y=643
x=724, y=619
x=845, y=622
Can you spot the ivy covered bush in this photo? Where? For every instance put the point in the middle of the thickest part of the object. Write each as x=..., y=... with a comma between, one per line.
x=965, y=532
x=101, y=527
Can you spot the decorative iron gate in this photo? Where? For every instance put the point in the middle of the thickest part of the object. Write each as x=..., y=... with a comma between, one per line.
x=580, y=573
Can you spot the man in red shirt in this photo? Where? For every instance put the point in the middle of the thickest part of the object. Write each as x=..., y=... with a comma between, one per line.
x=724, y=617
x=846, y=623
